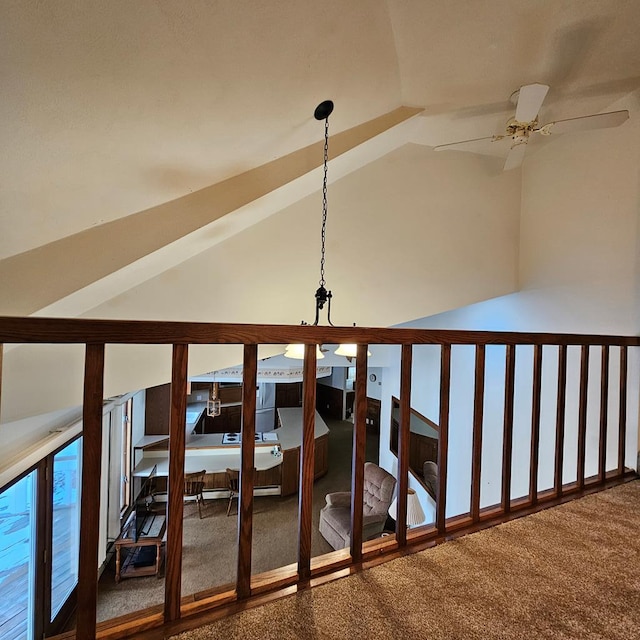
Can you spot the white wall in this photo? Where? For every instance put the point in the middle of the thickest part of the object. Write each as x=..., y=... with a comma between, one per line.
x=404, y=240
x=579, y=273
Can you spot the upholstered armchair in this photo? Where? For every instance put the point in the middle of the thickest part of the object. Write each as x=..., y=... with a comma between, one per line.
x=335, y=516
x=430, y=473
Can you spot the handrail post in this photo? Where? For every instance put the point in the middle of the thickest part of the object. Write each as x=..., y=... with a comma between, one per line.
x=507, y=438
x=443, y=438
x=247, y=464
x=560, y=419
x=307, y=462
x=175, y=484
x=90, y=503
x=604, y=410
x=403, y=444
x=582, y=414
x=535, y=424
x=359, y=451
x=478, y=407
x=622, y=411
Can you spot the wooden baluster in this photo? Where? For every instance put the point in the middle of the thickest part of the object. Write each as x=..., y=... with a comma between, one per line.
x=622, y=415
x=507, y=438
x=359, y=453
x=403, y=444
x=535, y=424
x=1, y=353
x=247, y=465
x=90, y=504
x=175, y=484
x=443, y=438
x=604, y=410
x=478, y=408
x=307, y=462
x=560, y=418
x=582, y=413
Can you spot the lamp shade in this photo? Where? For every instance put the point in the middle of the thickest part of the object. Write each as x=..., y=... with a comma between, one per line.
x=296, y=351
x=415, y=514
x=348, y=350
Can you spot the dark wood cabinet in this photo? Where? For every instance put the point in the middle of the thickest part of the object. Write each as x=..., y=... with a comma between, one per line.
x=157, y=410
x=290, y=467
x=289, y=394
x=373, y=415
x=329, y=401
x=230, y=419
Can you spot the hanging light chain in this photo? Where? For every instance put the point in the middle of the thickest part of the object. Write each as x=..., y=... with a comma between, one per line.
x=324, y=199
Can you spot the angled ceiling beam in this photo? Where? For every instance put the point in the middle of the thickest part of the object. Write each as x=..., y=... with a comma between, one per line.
x=34, y=279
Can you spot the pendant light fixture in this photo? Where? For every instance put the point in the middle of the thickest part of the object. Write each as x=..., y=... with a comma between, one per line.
x=214, y=404
x=322, y=295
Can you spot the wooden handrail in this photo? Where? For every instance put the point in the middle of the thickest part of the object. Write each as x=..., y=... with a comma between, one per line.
x=95, y=334
x=83, y=331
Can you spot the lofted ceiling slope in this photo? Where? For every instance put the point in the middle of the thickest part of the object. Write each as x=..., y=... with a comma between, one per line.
x=119, y=109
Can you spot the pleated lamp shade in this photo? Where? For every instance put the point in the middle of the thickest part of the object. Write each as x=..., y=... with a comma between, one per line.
x=415, y=514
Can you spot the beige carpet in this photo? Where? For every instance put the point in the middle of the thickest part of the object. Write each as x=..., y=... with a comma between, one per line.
x=568, y=572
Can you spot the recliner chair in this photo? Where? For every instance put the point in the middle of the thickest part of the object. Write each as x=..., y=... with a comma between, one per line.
x=335, y=516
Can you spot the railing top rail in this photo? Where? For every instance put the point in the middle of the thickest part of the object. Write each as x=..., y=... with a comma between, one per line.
x=88, y=331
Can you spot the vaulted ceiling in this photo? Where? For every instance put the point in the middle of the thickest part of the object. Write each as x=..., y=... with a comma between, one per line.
x=129, y=126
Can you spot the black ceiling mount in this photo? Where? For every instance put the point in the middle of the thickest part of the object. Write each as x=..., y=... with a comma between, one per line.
x=323, y=110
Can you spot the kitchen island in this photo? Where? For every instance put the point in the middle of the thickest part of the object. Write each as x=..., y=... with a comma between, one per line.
x=277, y=455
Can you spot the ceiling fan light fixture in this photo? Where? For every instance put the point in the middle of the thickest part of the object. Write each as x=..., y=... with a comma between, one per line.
x=528, y=100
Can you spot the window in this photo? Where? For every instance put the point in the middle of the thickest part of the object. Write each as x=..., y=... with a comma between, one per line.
x=17, y=558
x=65, y=542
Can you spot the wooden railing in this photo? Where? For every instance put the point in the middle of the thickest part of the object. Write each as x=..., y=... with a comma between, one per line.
x=95, y=334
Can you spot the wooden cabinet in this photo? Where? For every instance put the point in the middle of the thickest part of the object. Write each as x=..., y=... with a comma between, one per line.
x=157, y=410
x=290, y=469
x=373, y=415
x=329, y=401
x=321, y=457
x=289, y=394
x=230, y=419
x=291, y=465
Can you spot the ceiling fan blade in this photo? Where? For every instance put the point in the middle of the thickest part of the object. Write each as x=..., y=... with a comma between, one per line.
x=515, y=157
x=584, y=123
x=476, y=145
x=530, y=100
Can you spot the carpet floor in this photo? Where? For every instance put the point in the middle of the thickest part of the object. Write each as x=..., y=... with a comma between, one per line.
x=569, y=572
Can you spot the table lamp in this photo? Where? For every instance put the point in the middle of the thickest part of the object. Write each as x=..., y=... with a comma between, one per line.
x=415, y=514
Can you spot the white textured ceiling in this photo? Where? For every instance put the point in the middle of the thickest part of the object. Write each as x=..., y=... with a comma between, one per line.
x=111, y=108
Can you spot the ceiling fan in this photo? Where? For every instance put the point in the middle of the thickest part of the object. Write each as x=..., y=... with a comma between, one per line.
x=528, y=100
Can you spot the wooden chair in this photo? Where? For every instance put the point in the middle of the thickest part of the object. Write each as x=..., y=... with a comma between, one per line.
x=193, y=488
x=233, y=477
